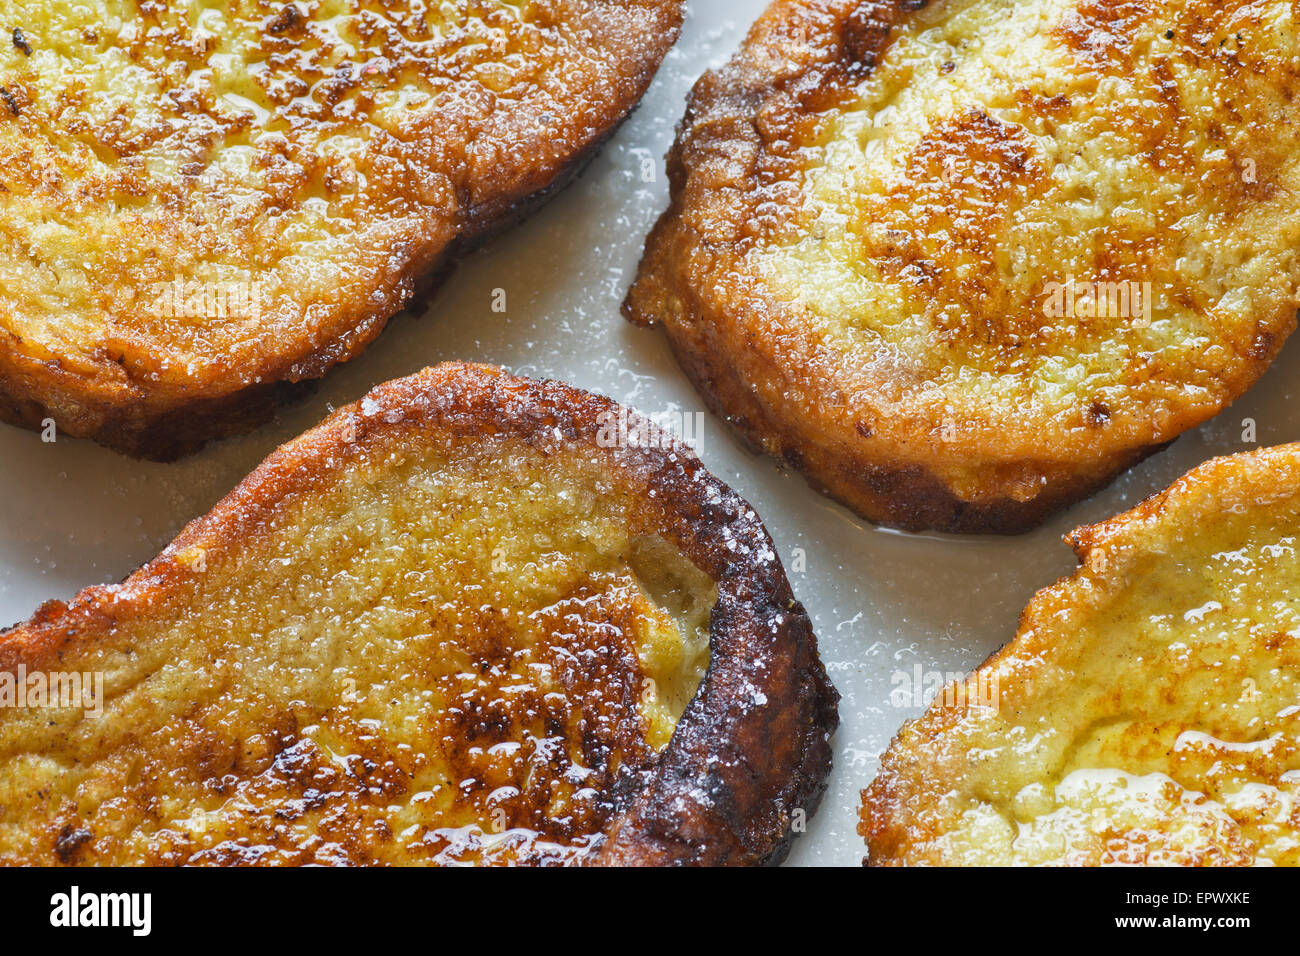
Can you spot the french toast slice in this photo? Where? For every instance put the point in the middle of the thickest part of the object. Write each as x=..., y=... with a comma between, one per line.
x=471, y=618
x=963, y=263
x=1146, y=712
x=203, y=204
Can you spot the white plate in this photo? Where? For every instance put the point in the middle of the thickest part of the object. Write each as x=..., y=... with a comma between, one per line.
x=882, y=603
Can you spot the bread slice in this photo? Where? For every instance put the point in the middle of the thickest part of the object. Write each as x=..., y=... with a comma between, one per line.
x=1146, y=711
x=200, y=205
x=963, y=263
x=472, y=618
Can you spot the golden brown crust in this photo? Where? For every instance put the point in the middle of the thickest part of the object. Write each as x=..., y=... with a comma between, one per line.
x=1121, y=682
x=750, y=751
x=733, y=269
x=487, y=141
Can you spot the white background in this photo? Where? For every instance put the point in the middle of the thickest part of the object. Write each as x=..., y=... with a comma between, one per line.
x=74, y=514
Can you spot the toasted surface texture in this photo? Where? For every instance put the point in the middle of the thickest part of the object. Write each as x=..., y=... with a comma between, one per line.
x=1148, y=710
x=452, y=624
x=200, y=202
x=877, y=210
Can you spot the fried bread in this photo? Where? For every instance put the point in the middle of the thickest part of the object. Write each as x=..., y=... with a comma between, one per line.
x=1147, y=710
x=456, y=623
x=202, y=204
x=963, y=263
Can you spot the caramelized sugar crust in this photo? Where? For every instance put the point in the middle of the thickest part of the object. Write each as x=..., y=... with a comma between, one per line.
x=202, y=203
x=452, y=624
x=875, y=203
x=1146, y=711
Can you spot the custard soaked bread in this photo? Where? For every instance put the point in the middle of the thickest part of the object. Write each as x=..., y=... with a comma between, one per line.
x=200, y=203
x=963, y=264
x=455, y=623
x=1148, y=710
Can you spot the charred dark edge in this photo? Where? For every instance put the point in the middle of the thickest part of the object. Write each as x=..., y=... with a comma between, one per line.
x=759, y=635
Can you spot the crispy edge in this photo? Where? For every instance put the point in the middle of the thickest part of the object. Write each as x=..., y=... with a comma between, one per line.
x=753, y=746
x=102, y=402
x=802, y=55
x=897, y=796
